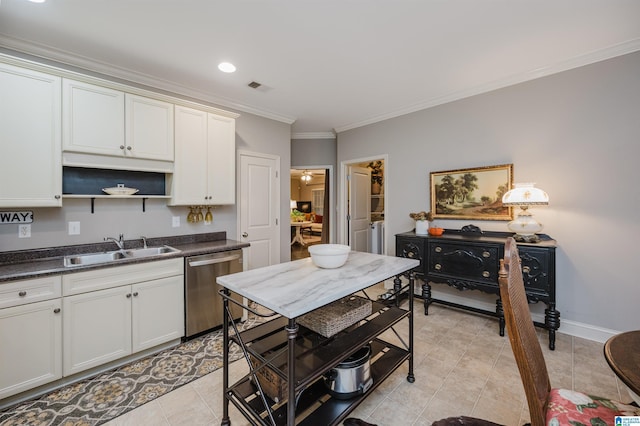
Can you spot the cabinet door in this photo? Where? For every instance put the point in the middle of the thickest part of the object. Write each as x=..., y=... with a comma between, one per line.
x=157, y=312
x=30, y=346
x=97, y=328
x=149, y=128
x=221, y=133
x=30, y=164
x=189, y=179
x=93, y=119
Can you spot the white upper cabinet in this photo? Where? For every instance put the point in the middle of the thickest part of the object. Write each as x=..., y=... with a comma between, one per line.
x=93, y=119
x=30, y=164
x=149, y=128
x=205, y=161
x=107, y=122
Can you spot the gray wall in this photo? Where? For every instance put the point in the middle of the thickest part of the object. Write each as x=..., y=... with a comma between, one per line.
x=576, y=135
x=115, y=216
x=305, y=152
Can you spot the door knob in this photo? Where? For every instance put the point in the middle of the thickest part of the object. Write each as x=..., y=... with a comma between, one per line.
x=245, y=235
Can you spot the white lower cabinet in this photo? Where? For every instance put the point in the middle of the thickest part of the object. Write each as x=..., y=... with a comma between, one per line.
x=30, y=346
x=135, y=312
x=97, y=328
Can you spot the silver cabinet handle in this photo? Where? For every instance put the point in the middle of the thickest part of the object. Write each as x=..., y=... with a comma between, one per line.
x=128, y=148
x=245, y=235
x=56, y=311
x=22, y=293
x=57, y=197
x=128, y=295
x=135, y=294
x=121, y=146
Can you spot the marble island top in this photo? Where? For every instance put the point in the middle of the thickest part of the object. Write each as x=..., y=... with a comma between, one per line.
x=295, y=288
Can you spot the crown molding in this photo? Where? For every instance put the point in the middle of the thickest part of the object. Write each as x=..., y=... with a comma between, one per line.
x=65, y=58
x=613, y=51
x=314, y=135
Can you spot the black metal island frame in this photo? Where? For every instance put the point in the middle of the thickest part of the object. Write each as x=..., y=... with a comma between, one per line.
x=297, y=358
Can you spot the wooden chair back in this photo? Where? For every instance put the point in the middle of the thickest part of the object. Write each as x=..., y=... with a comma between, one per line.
x=522, y=334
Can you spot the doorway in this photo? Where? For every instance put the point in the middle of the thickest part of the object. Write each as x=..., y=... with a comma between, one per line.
x=362, y=210
x=312, y=203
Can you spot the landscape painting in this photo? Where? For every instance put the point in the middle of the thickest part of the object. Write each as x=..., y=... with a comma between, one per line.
x=474, y=193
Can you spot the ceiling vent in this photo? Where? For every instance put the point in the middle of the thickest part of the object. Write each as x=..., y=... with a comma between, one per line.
x=254, y=84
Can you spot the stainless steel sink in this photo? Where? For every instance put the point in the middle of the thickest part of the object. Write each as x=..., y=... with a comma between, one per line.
x=150, y=251
x=113, y=256
x=93, y=258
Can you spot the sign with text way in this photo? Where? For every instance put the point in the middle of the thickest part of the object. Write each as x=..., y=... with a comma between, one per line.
x=16, y=217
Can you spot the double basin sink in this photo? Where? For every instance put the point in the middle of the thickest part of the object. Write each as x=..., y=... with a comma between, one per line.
x=113, y=256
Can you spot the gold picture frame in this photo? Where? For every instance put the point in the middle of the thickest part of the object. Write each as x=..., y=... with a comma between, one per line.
x=474, y=193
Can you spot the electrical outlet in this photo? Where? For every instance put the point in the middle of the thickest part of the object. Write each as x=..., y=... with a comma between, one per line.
x=175, y=222
x=24, y=231
x=74, y=228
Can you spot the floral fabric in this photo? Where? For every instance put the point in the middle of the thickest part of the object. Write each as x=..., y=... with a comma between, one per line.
x=567, y=407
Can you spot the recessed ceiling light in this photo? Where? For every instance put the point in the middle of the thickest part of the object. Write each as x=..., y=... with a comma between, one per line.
x=37, y=1
x=226, y=67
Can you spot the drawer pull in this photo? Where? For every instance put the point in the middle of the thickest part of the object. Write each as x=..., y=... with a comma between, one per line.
x=128, y=295
x=486, y=254
x=56, y=311
x=526, y=269
x=135, y=294
x=438, y=266
x=486, y=274
x=22, y=293
x=438, y=249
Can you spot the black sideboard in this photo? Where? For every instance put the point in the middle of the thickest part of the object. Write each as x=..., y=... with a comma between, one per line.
x=469, y=259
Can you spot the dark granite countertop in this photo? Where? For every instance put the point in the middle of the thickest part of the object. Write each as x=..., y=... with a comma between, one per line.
x=25, y=264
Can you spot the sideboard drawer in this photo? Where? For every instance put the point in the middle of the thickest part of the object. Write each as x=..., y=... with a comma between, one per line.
x=464, y=261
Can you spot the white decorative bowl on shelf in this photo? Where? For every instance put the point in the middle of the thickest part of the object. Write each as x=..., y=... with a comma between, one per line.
x=329, y=256
x=120, y=190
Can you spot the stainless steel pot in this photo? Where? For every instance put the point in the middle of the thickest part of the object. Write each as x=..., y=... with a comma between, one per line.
x=352, y=376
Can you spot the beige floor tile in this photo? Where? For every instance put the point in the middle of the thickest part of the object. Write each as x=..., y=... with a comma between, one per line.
x=462, y=367
x=149, y=414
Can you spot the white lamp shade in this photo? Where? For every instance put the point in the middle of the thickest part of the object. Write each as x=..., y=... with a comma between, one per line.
x=293, y=204
x=525, y=194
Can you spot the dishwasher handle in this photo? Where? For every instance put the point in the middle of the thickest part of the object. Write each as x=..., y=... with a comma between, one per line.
x=214, y=260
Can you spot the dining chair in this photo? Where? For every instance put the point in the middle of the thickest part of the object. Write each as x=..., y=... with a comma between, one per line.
x=547, y=406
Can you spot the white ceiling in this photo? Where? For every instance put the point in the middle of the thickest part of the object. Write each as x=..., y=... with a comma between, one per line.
x=325, y=65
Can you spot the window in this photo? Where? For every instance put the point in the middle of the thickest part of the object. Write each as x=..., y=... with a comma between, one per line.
x=318, y=200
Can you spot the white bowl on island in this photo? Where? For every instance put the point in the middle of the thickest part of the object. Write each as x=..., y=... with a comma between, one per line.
x=329, y=256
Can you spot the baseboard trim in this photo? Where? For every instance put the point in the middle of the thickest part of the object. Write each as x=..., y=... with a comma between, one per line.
x=569, y=327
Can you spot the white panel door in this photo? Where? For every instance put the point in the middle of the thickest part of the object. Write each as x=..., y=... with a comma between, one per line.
x=360, y=208
x=259, y=209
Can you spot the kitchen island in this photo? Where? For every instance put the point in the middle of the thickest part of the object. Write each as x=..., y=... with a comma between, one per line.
x=288, y=350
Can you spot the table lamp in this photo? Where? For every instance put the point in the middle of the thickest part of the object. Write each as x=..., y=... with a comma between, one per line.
x=523, y=196
x=293, y=204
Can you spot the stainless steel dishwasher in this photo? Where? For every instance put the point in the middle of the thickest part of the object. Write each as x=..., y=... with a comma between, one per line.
x=203, y=304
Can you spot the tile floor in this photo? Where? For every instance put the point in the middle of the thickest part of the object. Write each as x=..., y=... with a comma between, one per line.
x=462, y=367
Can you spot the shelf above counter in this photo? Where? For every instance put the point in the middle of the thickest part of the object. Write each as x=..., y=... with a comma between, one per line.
x=93, y=197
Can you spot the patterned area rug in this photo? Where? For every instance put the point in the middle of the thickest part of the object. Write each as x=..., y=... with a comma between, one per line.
x=99, y=399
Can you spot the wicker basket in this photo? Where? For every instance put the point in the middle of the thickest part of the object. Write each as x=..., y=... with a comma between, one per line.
x=336, y=316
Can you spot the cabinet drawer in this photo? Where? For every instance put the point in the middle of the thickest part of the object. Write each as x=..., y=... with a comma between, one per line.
x=100, y=279
x=29, y=291
x=411, y=248
x=464, y=261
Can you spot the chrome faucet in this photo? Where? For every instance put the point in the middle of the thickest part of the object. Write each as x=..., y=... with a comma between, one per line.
x=119, y=242
x=144, y=241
